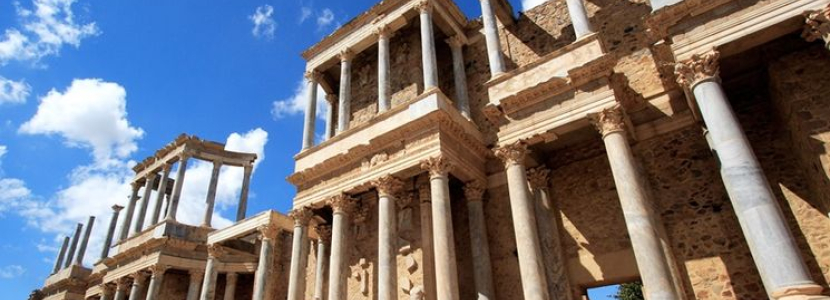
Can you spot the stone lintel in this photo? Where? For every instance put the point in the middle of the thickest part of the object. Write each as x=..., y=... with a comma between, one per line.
x=250, y=225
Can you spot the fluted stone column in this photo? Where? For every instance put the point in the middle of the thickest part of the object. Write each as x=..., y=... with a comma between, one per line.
x=173, y=206
x=817, y=26
x=426, y=237
x=71, y=255
x=579, y=18
x=531, y=267
x=299, y=253
x=128, y=215
x=195, y=283
x=772, y=245
x=462, y=102
x=547, y=221
x=387, y=186
x=482, y=270
x=211, y=194
x=491, y=37
x=310, y=109
x=242, y=208
x=107, y=291
x=156, y=280
x=230, y=286
x=211, y=272
x=344, y=107
x=116, y=209
x=636, y=205
x=79, y=259
x=267, y=234
x=142, y=211
x=384, y=95
x=121, y=285
x=139, y=280
x=324, y=234
x=446, y=272
x=342, y=206
x=165, y=174
x=331, y=99
x=61, y=253
x=430, y=63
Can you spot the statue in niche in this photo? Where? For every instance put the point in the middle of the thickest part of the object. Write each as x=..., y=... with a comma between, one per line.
x=361, y=273
x=417, y=293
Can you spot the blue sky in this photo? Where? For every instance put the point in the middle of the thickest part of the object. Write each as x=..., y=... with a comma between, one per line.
x=89, y=87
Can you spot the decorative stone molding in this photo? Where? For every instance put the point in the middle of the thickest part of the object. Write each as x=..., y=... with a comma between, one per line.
x=324, y=232
x=697, y=69
x=609, y=120
x=474, y=191
x=313, y=75
x=387, y=185
x=122, y=283
x=383, y=31
x=455, y=41
x=437, y=166
x=216, y=251
x=346, y=55
x=139, y=277
x=301, y=216
x=424, y=6
x=269, y=231
x=538, y=177
x=341, y=203
x=106, y=288
x=512, y=153
x=158, y=269
x=817, y=26
x=404, y=200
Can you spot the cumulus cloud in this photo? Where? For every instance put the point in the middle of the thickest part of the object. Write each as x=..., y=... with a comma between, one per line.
x=325, y=18
x=13, y=92
x=46, y=27
x=264, y=24
x=90, y=113
x=12, y=271
x=296, y=104
x=3, y=150
x=528, y=4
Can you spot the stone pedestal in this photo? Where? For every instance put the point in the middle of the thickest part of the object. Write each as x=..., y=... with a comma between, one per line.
x=446, y=272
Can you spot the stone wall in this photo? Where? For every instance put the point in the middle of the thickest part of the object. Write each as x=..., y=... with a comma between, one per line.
x=175, y=285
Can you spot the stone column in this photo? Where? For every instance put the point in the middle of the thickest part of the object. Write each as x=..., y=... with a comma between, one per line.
x=61, y=253
x=772, y=245
x=230, y=286
x=195, y=283
x=384, y=98
x=342, y=205
x=491, y=36
x=310, y=109
x=173, y=206
x=428, y=46
x=107, y=291
x=211, y=194
x=547, y=221
x=817, y=26
x=299, y=253
x=71, y=255
x=211, y=272
x=482, y=270
x=579, y=18
x=462, y=102
x=128, y=216
x=242, y=208
x=531, y=266
x=156, y=279
x=165, y=174
x=79, y=259
x=139, y=280
x=324, y=234
x=268, y=234
x=116, y=209
x=344, y=107
x=330, y=125
x=387, y=186
x=142, y=211
x=428, y=247
x=121, y=285
x=446, y=273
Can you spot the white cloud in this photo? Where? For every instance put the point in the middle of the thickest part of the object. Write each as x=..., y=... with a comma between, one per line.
x=305, y=13
x=528, y=4
x=13, y=195
x=296, y=104
x=3, y=150
x=13, y=92
x=12, y=271
x=46, y=27
x=325, y=18
x=264, y=25
x=91, y=113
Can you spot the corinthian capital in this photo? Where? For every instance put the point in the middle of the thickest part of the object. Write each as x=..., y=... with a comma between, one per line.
x=538, y=177
x=512, y=153
x=342, y=203
x=216, y=250
x=817, y=25
x=424, y=6
x=157, y=270
x=474, y=191
x=436, y=166
x=609, y=120
x=387, y=185
x=383, y=31
x=313, y=75
x=301, y=216
x=268, y=231
x=698, y=68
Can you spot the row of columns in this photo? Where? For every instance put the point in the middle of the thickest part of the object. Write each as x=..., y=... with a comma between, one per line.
x=384, y=34
x=79, y=244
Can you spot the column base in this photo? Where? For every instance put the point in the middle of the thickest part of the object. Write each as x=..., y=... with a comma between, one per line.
x=800, y=292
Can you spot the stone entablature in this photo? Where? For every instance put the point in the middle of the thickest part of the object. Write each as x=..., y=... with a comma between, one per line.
x=161, y=233
x=251, y=226
x=195, y=147
x=71, y=280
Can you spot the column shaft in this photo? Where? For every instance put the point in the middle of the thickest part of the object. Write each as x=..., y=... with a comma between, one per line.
x=339, y=245
x=59, y=259
x=579, y=18
x=446, y=273
x=173, y=206
x=155, y=283
x=261, y=275
x=105, y=251
x=548, y=224
x=128, y=216
x=531, y=266
x=319, y=274
x=299, y=257
x=160, y=194
x=330, y=129
x=106, y=292
x=491, y=36
x=230, y=286
x=120, y=289
x=310, y=112
x=71, y=255
x=138, y=286
x=242, y=208
x=387, y=250
x=209, y=282
x=462, y=102
x=211, y=194
x=384, y=101
x=428, y=49
x=195, y=284
x=482, y=269
x=142, y=211
x=426, y=240
x=344, y=107
x=79, y=259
